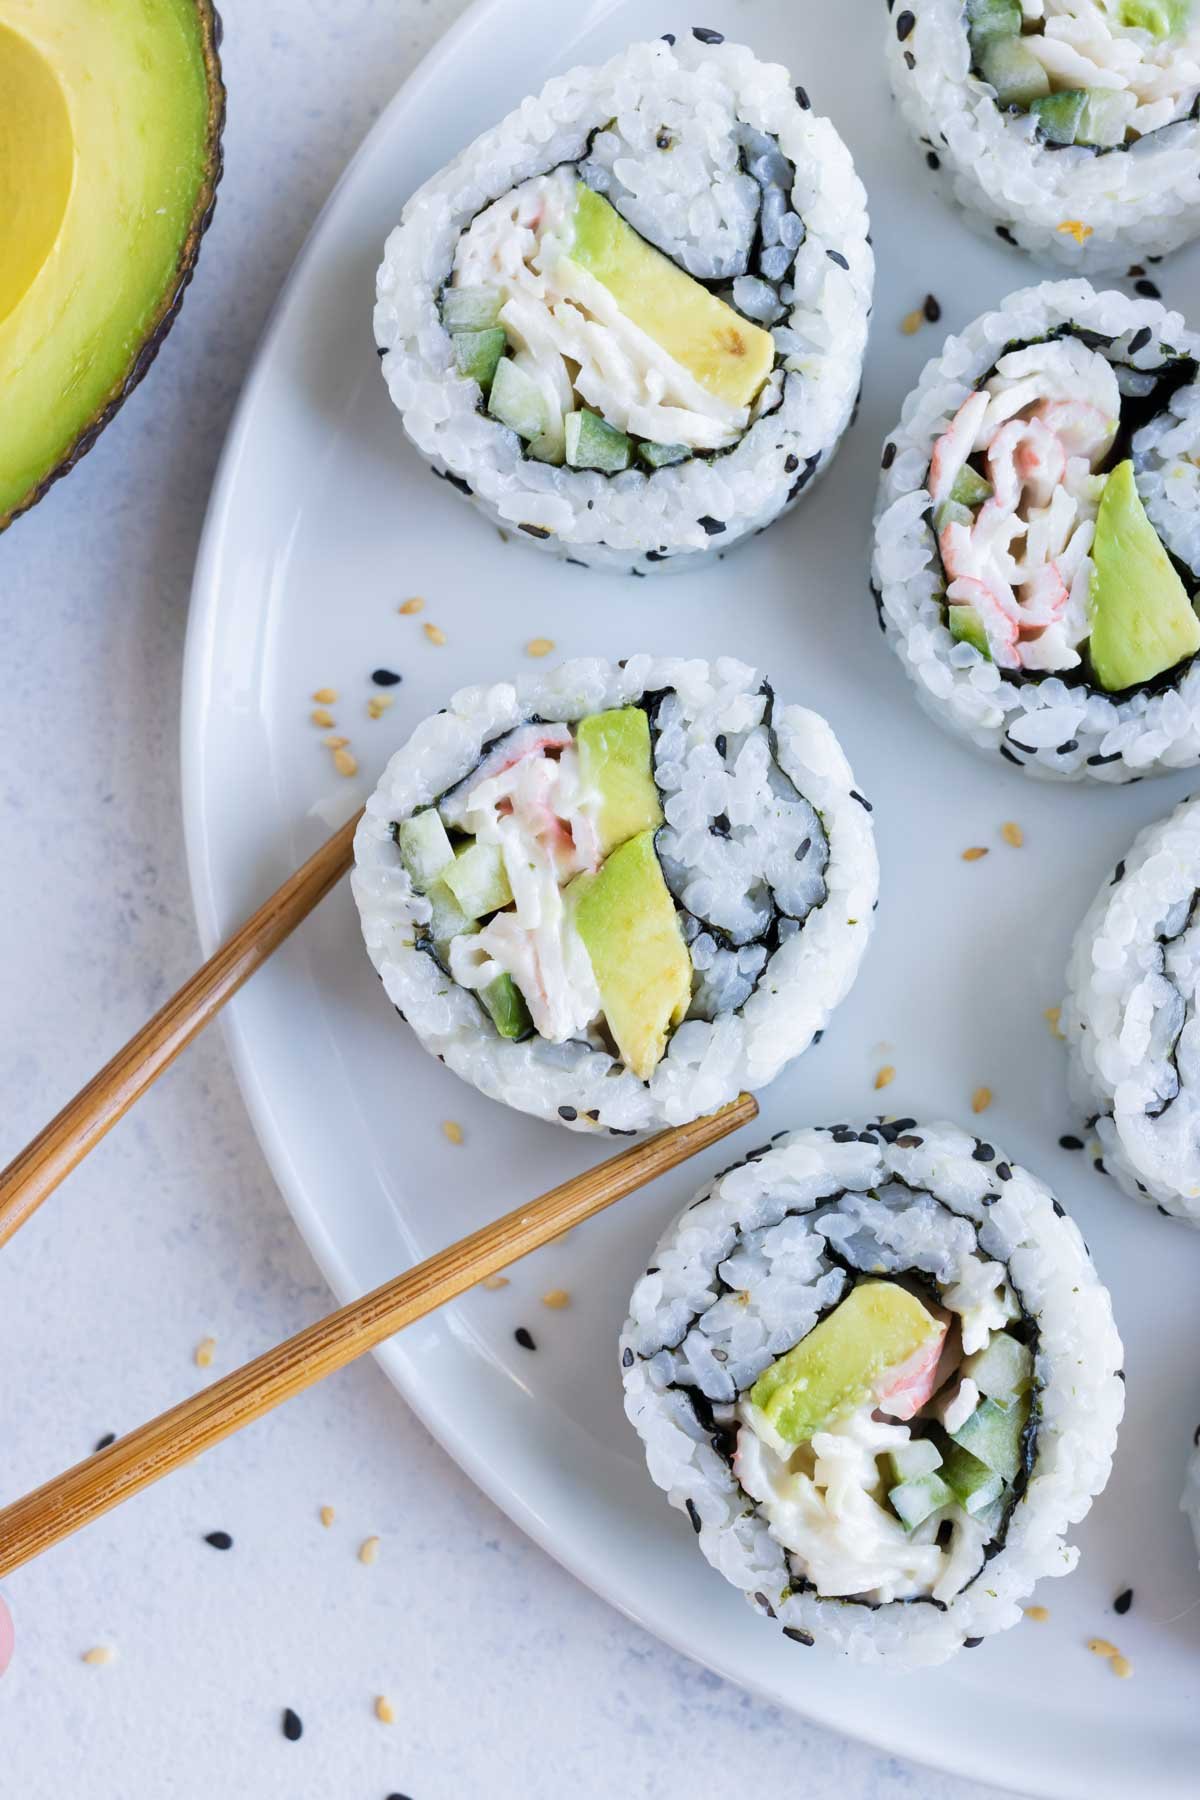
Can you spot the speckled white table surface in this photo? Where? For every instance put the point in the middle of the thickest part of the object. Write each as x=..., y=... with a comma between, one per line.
x=505, y=1676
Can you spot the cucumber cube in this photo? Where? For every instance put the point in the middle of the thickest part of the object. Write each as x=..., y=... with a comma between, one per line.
x=973, y=1484
x=449, y=920
x=477, y=354
x=471, y=308
x=908, y=1462
x=969, y=488
x=991, y=19
x=1015, y=72
x=592, y=443
x=1161, y=18
x=1003, y=1369
x=993, y=1434
x=1105, y=117
x=913, y=1501
x=662, y=456
x=516, y=400
x=424, y=847
x=503, y=1001
x=477, y=880
x=1058, y=115
x=966, y=627
x=549, y=448
x=951, y=512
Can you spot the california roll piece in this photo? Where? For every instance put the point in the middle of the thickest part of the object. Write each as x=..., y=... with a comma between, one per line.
x=1067, y=127
x=1018, y=572
x=629, y=321
x=1130, y=1017
x=877, y=1370
x=615, y=896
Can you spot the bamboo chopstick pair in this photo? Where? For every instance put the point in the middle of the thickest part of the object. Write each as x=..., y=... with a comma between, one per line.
x=91, y=1488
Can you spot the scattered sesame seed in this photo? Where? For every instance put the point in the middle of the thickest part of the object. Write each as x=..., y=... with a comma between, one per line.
x=1039, y=1614
x=378, y=704
x=886, y=1076
x=385, y=678
x=1102, y=1647
x=981, y=1099
x=493, y=1283
x=205, y=1350
x=1123, y=1601
x=1052, y=1014
x=368, y=1550
x=539, y=646
x=411, y=606
x=524, y=1337
x=1075, y=228
x=912, y=322
x=99, y=1656
x=333, y=742
x=220, y=1540
x=325, y=696
x=1069, y=1142
x=292, y=1728
x=932, y=308
x=974, y=853
x=345, y=762
x=322, y=717
x=435, y=634
x=452, y=1130
x=556, y=1299
x=110, y=1437
x=1012, y=834
x=383, y=1710
x=1121, y=1667
x=327, y=1516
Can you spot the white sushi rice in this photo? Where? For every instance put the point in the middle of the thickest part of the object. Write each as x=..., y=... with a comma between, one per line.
x=1166, y=457
x=1049, y=727
x=739, y=1277
x=691, y=202
x=1088, y=211
x=706, y=1063
x=1130, y=1017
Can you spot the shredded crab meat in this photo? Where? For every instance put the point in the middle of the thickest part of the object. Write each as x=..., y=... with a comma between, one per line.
x=1043, y=423
x=571, y=336
x=1086, y=44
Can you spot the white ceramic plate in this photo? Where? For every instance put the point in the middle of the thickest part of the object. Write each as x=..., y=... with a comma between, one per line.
x=321, y=522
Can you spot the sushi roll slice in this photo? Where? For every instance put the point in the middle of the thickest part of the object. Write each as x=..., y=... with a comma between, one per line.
x=629, y=321
x=1130, y=1017
x=1067, y=127
x=879, y=1373
x=616, y=895
x=1018, y=571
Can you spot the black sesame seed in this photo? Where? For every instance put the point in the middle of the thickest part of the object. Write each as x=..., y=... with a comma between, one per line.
x=706, y=36
x=381, y=349
x=1147, y=288
x=1134, y=269
x=932, y=159
x=524, y=1338
x=711, y=526
x=1002, y=231
x=790, y=464
x=1008, y=756
x=1003, y=1172
x=405, y=1796
x=1139, y=340
x=567, y=1112
x=1059, y=1211
x=841, y=1134
x=798, y=1636
x=910, y=61
x=220, y=1540
x=1123, y=1601
x=972, y=1643
x=535, y=531
x=385, y=677
x=668, y=37
x=575, y=562
x=722, y=743
x=292, y=1728
x=862, y=800
x=1066, y=749
x=909, y=1142
x=1196, y=1437
x=110, y=1437
x=817, y=1036
x=932, y=308
x=664, y=140
x=982, y=1152
x=1098, y=1165
x=888, y=457
x=989, y=1199
x=627, y=1358
x=837, y=257
x=1118, y=873
x=904, y=25
x=802, y=100
x=694, y=1516
x=766, y=1605
x=1120, y=1374
x=804, y=849
x=1094, y=762
x=720, y=826
x=1070, y=1143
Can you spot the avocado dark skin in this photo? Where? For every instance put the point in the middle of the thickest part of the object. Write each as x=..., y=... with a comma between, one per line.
x=170, y=299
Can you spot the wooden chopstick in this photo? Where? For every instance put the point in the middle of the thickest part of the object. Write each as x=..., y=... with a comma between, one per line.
x=78, y=1128
x=74, y=1499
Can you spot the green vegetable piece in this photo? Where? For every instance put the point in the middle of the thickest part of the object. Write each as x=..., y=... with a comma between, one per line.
x=1161, y=18
x=907, y=1462
x=913, y=1501
x=1003, y=1370
x=449, y=920
x=993, y=1434
x=424, y=847
x=549, y=448
x=950, y=512
x=627, y=920
x=966, y=627
x=615, y=765
x=1058, y=115
x=592, y=443
x=840, y=1365
x=1105, y=117
x=1015, y=72
x=471, y=308
x=478, y=352
x=988, y=20
x=503, y=1000
x=1143, y=622
x=663, y=456
x=477, y=879
x=517, y=401
x=970, y=489
x=974, y=1485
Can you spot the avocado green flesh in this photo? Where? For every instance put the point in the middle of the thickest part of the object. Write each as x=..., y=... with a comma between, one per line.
x=615, y=765
x=109, y=129
x=1161, y=18
x=1142, y=621
x=627, y=921
x=725, y=353
x=837, y=1367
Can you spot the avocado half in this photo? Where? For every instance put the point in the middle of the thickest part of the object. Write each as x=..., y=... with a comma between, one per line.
x=111, y=114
